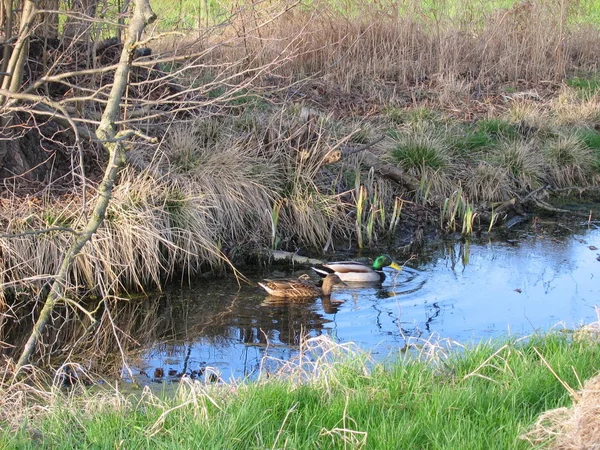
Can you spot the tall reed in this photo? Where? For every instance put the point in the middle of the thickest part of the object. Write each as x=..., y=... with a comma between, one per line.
x=358, y=45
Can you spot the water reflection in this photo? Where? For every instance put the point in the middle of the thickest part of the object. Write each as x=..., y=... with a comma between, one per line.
x=456, y=289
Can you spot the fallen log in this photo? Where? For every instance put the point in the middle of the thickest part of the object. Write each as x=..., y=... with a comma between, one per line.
x=293, y=258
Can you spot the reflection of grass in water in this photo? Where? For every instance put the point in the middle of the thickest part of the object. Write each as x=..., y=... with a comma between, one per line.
x=328, y=396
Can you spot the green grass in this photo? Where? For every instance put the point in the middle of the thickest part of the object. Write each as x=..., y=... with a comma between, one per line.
x=482, y=398
x=416, y=150
x=591, y=138
x=586, y=87
x=472, y=140
x=496, y=128
x=189, y=14
x=484, y=135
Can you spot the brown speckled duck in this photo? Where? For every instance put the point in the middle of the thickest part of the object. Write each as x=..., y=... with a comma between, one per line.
x=298, y=288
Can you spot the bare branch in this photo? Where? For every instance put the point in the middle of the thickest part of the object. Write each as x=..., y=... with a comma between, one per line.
x=142, y=15
x=34, y=232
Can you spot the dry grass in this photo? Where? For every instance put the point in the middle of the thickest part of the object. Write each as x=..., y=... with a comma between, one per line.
x=486, y=182
x=301, y=144
x=153, y=229
x=569, y=162
x=522, y=160
x=572, y=108
x=527, y=114
x=209, y=187
x=362, y=46
x=313, y=362
x=29, y=397
x=236, y=184
x=574, y=428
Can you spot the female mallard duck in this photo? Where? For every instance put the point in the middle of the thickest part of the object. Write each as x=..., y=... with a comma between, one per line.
x=299, y=288
x=353, y=271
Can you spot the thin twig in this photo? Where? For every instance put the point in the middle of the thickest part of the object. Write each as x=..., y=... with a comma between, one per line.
x=34, y=232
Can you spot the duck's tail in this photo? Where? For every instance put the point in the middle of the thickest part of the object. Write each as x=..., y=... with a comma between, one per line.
x=322, y=271
x=266, y=288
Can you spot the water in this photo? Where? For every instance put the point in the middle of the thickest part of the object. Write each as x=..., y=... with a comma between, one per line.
x=467, y=292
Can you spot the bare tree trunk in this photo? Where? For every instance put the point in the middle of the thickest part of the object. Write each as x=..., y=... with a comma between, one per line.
x=106, y=132
x=16, y=62
x=11, y=69
x=7, y=23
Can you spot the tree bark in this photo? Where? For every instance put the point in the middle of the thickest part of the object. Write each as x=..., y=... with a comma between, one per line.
x=12, y=81
x=107, y=133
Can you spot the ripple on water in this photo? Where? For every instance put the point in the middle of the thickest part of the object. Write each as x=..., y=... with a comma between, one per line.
x=465, y=291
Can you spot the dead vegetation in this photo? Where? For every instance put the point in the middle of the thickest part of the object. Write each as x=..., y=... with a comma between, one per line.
x=578, y=426
x=573, y=428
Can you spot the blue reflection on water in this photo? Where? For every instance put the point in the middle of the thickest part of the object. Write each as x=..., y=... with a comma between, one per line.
x=462, y=291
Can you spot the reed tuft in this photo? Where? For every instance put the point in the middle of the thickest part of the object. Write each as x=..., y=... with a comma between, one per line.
x=522, y=160
x=569, y=161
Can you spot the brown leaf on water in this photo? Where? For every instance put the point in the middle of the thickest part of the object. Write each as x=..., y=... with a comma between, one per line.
x=592, y=247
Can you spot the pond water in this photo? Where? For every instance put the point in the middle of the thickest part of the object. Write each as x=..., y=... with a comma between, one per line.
x=542, y=276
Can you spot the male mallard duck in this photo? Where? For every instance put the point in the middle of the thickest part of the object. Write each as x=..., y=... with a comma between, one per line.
x=354, y=271
x=299, y=288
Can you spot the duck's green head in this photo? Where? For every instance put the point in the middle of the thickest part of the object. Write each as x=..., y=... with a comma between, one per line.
x=385, y=261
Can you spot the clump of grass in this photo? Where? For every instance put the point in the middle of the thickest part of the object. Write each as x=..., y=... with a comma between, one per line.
x=569, y=109
x=422, y=115
x=522, y=160
x=586, y=87
x=528, y=116
x=472, y=140
x=486, y=182
x=419, y=148
x=297, y=143
x=236, y=183
x=483, y=136
x=362, y=133
x=395, y=114
x=308, y=217
x=497, y=128
x=154, y=228
x=427, y=156
x=589, y=137
x=28, y=256
x=569, y=161
x=454, y=90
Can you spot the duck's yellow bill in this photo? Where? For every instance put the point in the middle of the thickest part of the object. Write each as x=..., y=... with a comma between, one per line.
x=396, y=266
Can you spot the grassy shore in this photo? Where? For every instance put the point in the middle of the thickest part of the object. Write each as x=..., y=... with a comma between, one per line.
x=485, y=397
x=223, y=188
